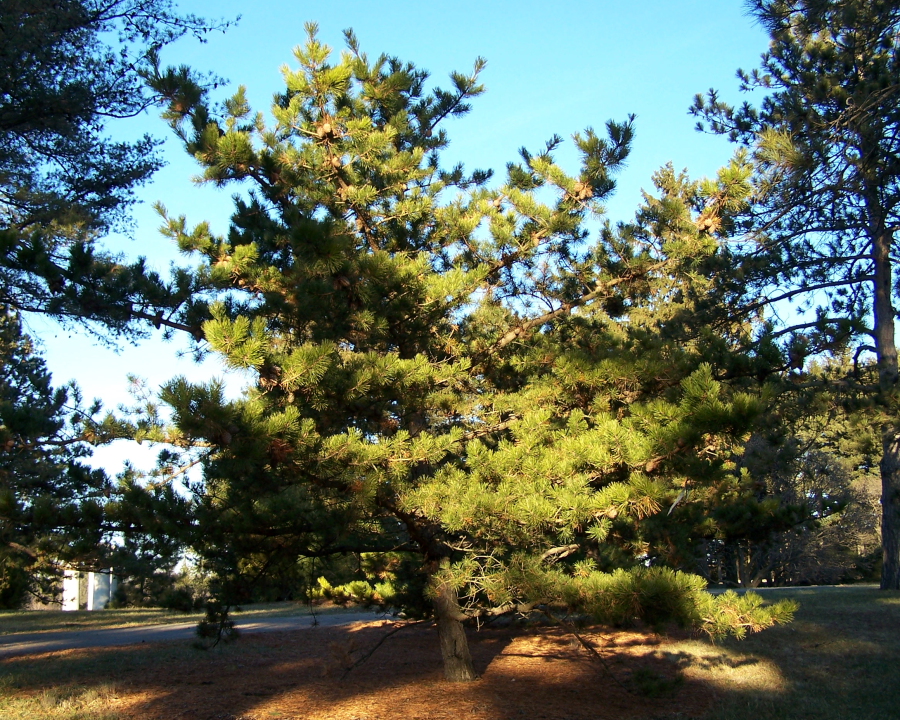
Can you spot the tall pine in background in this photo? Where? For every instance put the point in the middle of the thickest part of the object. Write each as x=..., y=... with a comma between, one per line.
x=67, y=70
x=450, y=371
x=826, y=139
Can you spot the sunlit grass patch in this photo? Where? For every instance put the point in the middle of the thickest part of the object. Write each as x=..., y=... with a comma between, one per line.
x=888, y=597
x=63, y=702
x=35, y=621
x=837, y=660
x=725, y=668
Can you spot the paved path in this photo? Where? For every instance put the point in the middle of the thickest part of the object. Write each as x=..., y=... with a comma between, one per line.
x=28, y=643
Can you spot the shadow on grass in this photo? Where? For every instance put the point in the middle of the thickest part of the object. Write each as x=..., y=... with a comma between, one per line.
x=837, y=660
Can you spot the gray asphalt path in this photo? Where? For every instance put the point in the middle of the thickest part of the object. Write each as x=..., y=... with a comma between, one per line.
x=28, y=643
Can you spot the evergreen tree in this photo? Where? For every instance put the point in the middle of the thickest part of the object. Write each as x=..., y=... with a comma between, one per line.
x=825, y=137
x=51, y=503
x=66, y=69
x=148, y=523
x=800, y=510
x=445, y=370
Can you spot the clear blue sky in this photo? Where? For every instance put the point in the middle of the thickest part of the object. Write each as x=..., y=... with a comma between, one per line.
x=552, y=68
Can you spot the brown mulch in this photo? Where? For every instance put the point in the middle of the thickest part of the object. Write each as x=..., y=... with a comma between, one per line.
x=529, y=673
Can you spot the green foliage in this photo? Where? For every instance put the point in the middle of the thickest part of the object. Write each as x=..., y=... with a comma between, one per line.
x=463, y=384
x=358, y=592
x=68, y=68
x=738, y=615
x=216, y=627
x=820, y=161
x=16, y=581
x=51, y=503
x=805, y=513
x=56, y=510
x=392, y=582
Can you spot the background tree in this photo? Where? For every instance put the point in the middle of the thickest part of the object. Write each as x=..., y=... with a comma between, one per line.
x=825, y=137
x=446, y=370
x=826, y=460
x=803, y=511
x=68, y=69
x=51, y=503
x=150, y=525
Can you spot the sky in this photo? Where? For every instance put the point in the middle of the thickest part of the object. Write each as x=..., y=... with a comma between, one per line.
x=551, y=69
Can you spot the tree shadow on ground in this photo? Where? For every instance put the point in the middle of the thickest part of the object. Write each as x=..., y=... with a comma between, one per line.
x=838, y=659
x=542, y=673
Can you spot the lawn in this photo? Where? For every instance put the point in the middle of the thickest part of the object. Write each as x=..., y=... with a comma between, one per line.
x=840, y=658
x=837, y=660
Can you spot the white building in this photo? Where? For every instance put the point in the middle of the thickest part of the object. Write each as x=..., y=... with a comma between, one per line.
x=95, y=594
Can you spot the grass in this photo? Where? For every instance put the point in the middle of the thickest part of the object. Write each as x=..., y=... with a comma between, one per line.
x=41, y=621
x=57, y=702
x=88, y=685
x=838, y=659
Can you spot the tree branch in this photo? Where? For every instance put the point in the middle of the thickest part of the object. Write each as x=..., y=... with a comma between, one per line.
x=599, y=291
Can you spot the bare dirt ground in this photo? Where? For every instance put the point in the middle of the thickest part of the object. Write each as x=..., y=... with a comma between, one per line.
x=534, y=673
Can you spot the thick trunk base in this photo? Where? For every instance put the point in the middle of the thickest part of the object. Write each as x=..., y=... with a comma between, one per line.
x=454, y=643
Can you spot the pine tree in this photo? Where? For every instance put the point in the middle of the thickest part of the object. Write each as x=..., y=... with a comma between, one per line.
x=825, y=138
x=68, y=69
x=445, y=370
x=51, y=503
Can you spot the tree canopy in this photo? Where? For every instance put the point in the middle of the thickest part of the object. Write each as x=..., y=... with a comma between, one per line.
x=69, y=69
x=463, y=374
x=51, y=501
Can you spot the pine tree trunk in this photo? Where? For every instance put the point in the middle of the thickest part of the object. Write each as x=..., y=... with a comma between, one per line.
x=740, y=570
x=887, y=381
x=890, y=507
x=454, y=644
